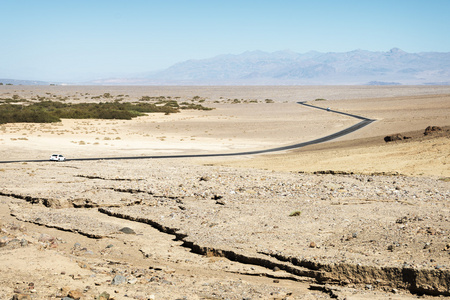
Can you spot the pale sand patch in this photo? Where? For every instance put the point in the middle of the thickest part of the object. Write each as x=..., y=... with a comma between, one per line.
x=227, y=128
x=428, y=158
x=246, y=126
x=368, y=152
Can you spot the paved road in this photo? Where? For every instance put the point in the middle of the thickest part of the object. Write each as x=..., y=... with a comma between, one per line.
x=364, y=122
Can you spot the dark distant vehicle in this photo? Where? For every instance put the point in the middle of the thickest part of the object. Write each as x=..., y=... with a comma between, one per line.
x=57, y=157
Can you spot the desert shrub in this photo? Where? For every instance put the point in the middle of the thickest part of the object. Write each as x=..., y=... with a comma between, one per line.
x=12, y=100
x=269, y=101
x=47, y=111
x=145, y=98
x=195, y=106
x=295, y=213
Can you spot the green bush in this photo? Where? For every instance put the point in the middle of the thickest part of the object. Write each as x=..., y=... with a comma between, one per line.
x=53, y=111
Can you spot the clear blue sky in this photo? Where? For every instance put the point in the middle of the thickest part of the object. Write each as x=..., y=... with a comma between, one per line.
x=64, y=40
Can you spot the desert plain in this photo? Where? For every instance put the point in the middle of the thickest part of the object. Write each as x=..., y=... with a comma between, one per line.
x=351, y=218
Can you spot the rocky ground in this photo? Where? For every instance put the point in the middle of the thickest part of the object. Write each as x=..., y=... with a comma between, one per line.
x=171, y=229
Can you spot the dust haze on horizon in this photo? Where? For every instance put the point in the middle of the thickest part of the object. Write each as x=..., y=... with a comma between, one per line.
x=86, y=40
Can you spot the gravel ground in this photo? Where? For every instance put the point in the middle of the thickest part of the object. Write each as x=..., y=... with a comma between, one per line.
x=289, y=220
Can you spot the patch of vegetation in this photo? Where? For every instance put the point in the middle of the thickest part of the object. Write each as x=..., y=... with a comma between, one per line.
x=12, y=100
x=195, y=106
x=54, y=111
x=295, y=213
x=320, y=99
x=269, y=101
x=445, y=179
x=48, y=111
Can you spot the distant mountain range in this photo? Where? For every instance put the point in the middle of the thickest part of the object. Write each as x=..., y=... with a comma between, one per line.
x=22, y=82
x=358, y=67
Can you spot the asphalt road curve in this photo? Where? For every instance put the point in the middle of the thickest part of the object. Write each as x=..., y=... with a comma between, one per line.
x=364, y=122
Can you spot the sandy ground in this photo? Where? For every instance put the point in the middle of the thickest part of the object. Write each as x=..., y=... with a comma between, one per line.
x=221, y=249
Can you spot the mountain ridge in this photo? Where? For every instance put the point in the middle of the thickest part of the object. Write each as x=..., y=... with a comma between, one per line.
x=288, y=67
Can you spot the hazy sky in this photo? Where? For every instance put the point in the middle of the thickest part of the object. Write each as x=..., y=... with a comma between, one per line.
x=65, y=40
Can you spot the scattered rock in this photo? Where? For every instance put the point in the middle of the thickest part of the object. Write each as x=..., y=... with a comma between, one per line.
x=132, y=280
x=75, y=294
x=205, y=178
x=103, y=296
x=402, y=220
x=393, y=137
x=127, y=230
x=432, y=129
x=312, y=245
x=118, y=279
x=21, y=297
x=447, y=247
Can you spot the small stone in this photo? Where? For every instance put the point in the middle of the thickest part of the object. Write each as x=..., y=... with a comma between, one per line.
x=118, y=279
x=75, y=294
x=65, y=290
x=104, y=296
x=205, y=178
x=127, y=230
x=276, y=269
x=45, y=238
x=395, y=291
x=21, y=297
x=132, y=280
x=312, y=245
x=4, y=241
x=276, y=281
x=368, y=287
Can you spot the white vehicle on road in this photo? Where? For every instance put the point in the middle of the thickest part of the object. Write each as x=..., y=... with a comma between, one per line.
x=57, y=157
